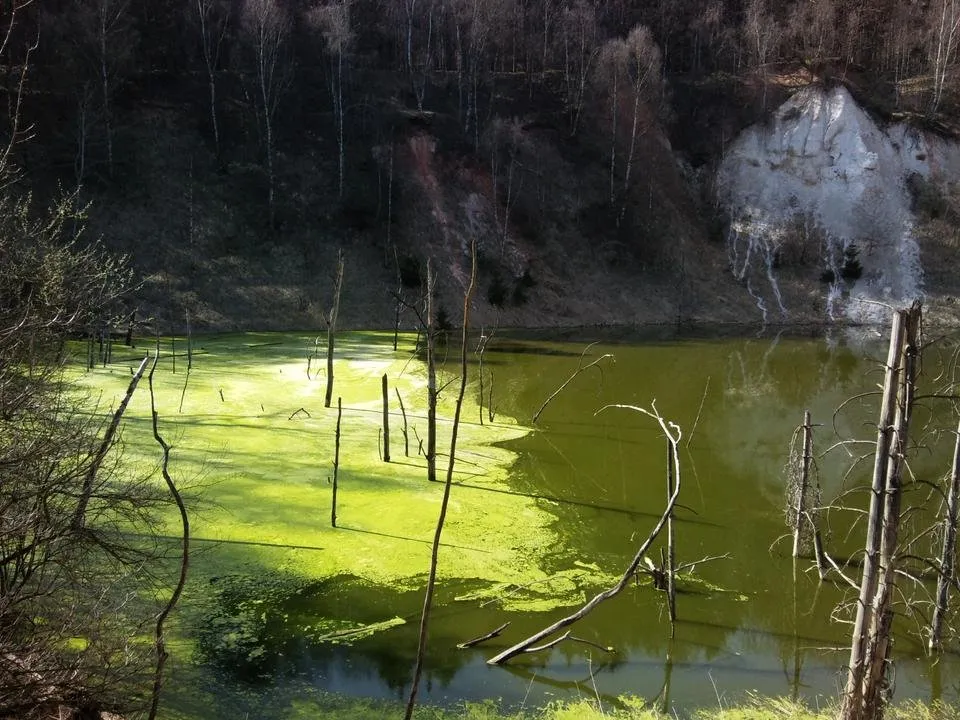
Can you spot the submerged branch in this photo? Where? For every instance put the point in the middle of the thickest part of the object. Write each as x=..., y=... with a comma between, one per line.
x=580, y=368
x=672, y=432
x=483, y=638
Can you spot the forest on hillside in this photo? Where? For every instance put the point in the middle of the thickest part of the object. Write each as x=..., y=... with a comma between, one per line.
x=252, y=138
x=258, y=76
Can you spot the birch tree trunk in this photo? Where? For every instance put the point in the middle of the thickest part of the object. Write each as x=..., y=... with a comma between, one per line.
x=212, y=31
x=102, y=29
x=268, y=29
x=944, y=48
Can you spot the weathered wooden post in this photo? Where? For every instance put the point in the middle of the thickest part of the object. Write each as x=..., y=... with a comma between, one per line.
x=386, y=418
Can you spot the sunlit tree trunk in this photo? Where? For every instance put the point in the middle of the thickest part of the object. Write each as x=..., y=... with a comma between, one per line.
x=267, y=30
x=946, y=23
x=213, y=29
x=335, y=26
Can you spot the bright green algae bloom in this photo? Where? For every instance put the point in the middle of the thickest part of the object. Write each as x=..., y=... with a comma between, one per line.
x=253, y=447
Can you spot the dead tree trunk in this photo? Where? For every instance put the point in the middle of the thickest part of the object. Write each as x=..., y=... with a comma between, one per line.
x=386, y=418
x=406, y=437
x=159, y=642
x=853, y=697
x=336, y=465
x=431, y=381
x=332, y=327
x=800, y=509
x=947, y=570
x=432, y=579
x=672, y=432
x=481, y=349
x=90, y=476
x=671, y=564
x=866, y=678
x=481, y=346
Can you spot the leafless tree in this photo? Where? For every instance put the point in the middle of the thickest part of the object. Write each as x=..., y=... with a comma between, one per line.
x=644, y=73
x=212, y=18
x=333, y=21
x=628, y=69
x=612, y=64
x=812, y=27
x=707, y=29
x=944, y=21
x=113, y=37
x=159, y=639
x=673, y=433
x=761, y=36
x=946, y=566
x=267, y=30
x=418, y=22
x=61, y=501
x=580, y=49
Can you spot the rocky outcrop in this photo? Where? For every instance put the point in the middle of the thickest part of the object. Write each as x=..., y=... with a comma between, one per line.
x=823, y=174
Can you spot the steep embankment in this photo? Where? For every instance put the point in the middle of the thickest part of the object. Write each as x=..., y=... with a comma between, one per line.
x=822, y=191
x=552, y=248
x=828, y=213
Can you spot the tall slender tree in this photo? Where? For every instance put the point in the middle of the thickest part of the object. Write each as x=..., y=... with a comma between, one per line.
x=212, y=19
x=267, y=30
x=333, y=21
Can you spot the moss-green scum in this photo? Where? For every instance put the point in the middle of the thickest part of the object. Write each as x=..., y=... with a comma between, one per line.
x=253, y=433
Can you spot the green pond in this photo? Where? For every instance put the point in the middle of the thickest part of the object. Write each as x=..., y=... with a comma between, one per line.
x=281, y=606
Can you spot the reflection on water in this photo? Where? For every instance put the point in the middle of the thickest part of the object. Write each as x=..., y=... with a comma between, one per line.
x=749, y=620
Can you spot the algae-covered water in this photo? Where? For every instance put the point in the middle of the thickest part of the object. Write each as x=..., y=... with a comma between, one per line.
x=281, y=606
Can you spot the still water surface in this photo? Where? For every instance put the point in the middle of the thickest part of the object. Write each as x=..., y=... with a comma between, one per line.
x=747, y=622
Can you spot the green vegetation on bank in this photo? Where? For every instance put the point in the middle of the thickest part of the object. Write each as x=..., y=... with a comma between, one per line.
x=631, y=708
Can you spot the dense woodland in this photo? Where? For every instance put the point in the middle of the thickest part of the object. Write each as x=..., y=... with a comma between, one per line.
x=200, y=129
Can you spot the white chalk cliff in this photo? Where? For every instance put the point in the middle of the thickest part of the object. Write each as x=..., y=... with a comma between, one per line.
x=821, y=160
